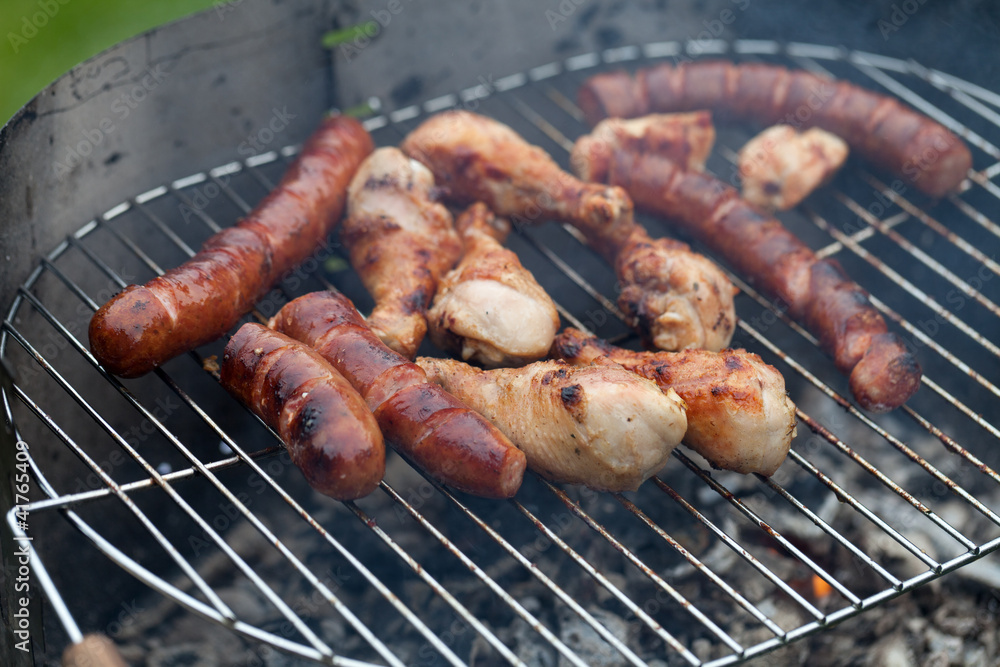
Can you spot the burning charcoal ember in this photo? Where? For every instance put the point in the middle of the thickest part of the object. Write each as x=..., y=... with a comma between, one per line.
x=985, y=572
x=719, y=557
x=183, y=655
x=958, y=616
x=247, y=604
x=946, y=649
x=976, y=656
x=893, y=651
x=786, y=615
x=579, y=636
x=529, y=646
x=702, y=648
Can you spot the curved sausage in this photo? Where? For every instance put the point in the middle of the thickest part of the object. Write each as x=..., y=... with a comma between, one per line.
x=883, y=372
x=197, y=302
x=438, y=432
x=886, y=132
x=329, y=432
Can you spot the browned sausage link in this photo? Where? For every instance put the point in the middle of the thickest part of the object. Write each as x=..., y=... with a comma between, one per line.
x=329, y=431
x=197, y=302
x=883, y=372
x=438, y=432
x=881, y=129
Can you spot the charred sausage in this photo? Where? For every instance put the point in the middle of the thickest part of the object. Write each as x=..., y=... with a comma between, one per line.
x=883, y=373
x=329, y=432
x=438, y=432
x=881, y=129
x=197, y=302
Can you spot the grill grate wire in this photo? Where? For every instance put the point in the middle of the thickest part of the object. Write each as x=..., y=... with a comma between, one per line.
x=554, y=83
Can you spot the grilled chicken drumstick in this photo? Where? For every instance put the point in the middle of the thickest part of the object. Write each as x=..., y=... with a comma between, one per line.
x=879, y=128
x=601, y=425
x=401, y=241
x=883, y=373
x=739, y=416
x=329, y=432
x=489, y=309
x=199, y=301
x=674, y=297
x=434, y=429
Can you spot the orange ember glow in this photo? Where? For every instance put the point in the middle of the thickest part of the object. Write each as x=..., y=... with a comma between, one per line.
x=820, y=588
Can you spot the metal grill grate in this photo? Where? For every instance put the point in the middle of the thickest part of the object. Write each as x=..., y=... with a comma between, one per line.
x=870, y=507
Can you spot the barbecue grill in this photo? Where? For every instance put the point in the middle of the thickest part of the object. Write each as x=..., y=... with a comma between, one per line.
x=189, y=494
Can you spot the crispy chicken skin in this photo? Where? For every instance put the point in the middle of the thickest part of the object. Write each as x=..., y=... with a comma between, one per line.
x=676, y=299
x=685, y=138
x=884, y=372
x=401, y=241
x=599, y=425
x=780, y=166
x=477, y=158
x=739, y=416
x=489, y=309
x=480, y=159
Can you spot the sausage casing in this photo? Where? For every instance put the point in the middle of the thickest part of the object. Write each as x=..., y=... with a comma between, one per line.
x=197, y=302
x=881, y=129
x=439, y=433
x=329, y=432
x=883, y=372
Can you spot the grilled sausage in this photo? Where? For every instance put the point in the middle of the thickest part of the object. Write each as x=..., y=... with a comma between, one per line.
x=433, y=428
x=329, y=432
x=883, y=373
x=197, y=302
x=883, y=130
x=739, y=416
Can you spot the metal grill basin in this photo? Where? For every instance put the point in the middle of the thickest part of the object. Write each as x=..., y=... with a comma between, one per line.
x=698, y=567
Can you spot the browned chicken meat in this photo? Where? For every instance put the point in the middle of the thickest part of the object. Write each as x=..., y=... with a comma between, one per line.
x=685, y=138
x=676, y=299
x=673, y=296
x=489, y=309
x=598, y=425
x=781, y=166
x=401, y=241
x=739, y=416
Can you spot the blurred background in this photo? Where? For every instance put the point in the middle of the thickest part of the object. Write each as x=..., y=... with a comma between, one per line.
x=42, y=39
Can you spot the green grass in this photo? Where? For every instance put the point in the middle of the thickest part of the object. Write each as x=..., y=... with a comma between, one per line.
x=62, y=33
